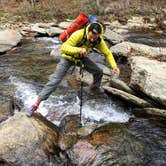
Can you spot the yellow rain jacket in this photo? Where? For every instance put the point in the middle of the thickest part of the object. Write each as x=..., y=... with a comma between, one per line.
x=70, y=50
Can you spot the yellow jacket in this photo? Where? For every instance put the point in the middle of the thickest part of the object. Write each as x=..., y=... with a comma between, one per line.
x=70, y=50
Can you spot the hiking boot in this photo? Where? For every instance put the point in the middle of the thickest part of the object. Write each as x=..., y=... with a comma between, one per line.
x=33, y=108
x=96, y=90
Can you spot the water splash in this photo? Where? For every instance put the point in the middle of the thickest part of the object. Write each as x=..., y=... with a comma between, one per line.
x=58, y=106
x=47, y=39
x=52, y=40
x=105, y=111
x=27, y=94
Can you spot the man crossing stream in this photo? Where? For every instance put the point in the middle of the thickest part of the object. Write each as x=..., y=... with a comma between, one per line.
x=75, y=48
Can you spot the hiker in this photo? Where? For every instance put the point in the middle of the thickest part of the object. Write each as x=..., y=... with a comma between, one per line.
x=74, y=49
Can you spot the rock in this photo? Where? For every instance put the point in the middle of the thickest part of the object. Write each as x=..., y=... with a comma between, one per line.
x=121, y=85
x=54, y=31
x=68, y=131
x=6, y=107
x=46, y=29
x=4, y=48
x=86, y=130
x=135, y=23
x=124, y=49
x=8, y=39
x=128, y=97
x=65, y=24
x=150, y=111
x=149, y=77
x=110, y=79
x=82, y=153
x=46, y=25
x=114, y=37
x=26, y=140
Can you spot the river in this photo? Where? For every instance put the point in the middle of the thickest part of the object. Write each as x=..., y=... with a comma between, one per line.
x=25, y=70
x=28, y=69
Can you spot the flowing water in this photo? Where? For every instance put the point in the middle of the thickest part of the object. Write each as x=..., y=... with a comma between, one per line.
x=25, y=70
x=148, y=39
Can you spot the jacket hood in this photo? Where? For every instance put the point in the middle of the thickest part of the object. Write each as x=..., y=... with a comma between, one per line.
x=101, y=34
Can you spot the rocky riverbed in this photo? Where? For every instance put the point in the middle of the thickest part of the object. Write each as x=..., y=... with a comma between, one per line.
x=39, y=140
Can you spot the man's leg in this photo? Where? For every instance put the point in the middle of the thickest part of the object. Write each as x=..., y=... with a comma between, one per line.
x=55, y=78
x=52, y=84
x=97, y=73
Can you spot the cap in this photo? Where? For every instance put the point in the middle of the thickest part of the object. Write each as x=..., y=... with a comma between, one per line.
x=95, y=28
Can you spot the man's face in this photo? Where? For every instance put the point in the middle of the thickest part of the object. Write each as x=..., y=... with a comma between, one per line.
x=92, y=37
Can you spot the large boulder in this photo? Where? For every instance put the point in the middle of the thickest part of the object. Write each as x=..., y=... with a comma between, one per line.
x=149, y=77
x=46, y=29
x=27, y=141
x=124, y=49
x=9, y=39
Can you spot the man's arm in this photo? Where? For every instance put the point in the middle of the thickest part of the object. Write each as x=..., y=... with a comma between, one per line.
x=70, y=46
x=103, y=48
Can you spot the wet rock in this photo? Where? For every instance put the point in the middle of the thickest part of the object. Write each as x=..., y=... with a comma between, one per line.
x=86, y=130
x=149, y=77
x=130, y=160
x=104, y=140
x=6, y=107
x=28, y=140
x=68, y=131
x=118, y=144
x=82, y=153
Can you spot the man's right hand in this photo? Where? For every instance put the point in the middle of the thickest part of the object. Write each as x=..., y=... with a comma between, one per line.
x=83, y=52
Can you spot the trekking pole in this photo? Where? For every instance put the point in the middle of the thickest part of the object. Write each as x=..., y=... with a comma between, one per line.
x=81, y=88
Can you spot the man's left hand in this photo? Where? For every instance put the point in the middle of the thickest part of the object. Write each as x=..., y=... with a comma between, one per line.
x=116, y=71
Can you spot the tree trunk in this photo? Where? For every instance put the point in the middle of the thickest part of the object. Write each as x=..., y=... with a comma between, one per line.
x=98, y=3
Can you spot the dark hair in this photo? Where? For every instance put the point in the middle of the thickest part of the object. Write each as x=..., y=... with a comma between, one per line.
x=95, y=28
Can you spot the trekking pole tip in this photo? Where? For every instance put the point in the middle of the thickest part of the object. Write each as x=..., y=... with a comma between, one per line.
x=28, y=113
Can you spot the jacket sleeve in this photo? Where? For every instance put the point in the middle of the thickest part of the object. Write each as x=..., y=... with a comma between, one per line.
x=69, y=47
x=103, y=48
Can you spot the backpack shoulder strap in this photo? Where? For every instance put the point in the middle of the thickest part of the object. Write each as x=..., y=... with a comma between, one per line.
x=82, y=42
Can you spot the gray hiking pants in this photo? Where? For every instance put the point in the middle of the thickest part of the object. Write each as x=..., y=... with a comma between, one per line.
x=61, y=70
